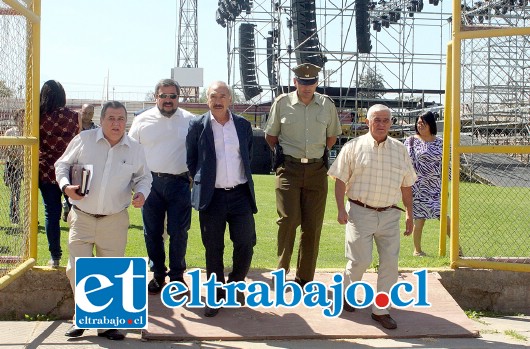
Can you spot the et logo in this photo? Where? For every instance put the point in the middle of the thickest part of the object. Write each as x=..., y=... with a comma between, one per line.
x=111, y=293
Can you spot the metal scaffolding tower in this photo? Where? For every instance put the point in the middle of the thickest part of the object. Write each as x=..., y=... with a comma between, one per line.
x=401, y=41
x=187, y=39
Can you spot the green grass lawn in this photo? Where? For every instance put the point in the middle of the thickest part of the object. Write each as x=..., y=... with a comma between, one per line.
x=331, y=255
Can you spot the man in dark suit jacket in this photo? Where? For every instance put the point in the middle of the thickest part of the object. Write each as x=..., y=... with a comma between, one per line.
x=219, y=149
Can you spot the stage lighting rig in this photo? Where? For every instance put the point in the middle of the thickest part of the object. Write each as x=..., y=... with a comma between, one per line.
x=229, y=10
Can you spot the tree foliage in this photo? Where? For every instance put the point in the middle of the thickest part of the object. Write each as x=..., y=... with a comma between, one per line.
x=5, y=91
x=236, y=97
x=370, y=80
x=149, y=96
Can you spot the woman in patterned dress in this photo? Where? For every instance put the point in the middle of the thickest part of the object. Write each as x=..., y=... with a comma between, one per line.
x=58, y=126
x=425, y=150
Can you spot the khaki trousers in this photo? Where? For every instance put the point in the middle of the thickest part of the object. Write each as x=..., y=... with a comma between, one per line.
x=107, y=234
x=363, y=228
x=301, y=192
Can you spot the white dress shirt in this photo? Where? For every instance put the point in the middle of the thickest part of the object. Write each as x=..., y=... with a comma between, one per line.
x=163, y=139
x=117, y=171
x=229, y=165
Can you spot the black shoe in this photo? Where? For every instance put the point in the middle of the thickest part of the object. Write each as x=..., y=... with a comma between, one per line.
x=220, y=294
x=156, y=285
x=74, y=332
x=113, y=335
x=300, y=282
x=240, y=297
x=347, y=307
x=181, y=280
x=210, y=312
x=385, y=320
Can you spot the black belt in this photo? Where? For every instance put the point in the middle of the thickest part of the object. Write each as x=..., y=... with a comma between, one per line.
x=90, y=214
x=302, y=160
x=232, y=188
x=170, y=175
x=378, y=209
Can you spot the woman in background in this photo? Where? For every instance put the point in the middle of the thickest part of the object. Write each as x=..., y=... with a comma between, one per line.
x=425, y=150
x=58, y=126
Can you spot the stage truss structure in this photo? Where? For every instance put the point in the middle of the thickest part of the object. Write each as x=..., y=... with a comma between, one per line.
x=408, y=51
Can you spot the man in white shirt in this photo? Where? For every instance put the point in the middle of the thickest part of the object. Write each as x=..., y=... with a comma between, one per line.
x=219, y=149
x=100, y=219
x=375, y=172
x=162, y=131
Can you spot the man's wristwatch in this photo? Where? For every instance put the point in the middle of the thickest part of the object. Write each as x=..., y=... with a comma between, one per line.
x=63, y=188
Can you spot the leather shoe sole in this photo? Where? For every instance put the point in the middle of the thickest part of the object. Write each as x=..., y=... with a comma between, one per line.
x=211, y=312
x=113, y=335
x=74, y=332
x=386, y=321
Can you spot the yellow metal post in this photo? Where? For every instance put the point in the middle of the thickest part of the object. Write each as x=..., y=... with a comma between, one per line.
x=34, y=92
x=455, y=126
x=446, y=150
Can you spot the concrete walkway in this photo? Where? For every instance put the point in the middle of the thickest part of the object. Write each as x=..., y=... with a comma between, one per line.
x=50, y=334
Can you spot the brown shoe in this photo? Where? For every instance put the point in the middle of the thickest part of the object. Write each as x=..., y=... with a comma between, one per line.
x=385, y=320
x=347, y=307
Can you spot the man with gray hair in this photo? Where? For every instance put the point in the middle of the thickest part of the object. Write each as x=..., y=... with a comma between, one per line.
x=162, y=131
x=375, y=172
x=219, y=150
x=99, y=220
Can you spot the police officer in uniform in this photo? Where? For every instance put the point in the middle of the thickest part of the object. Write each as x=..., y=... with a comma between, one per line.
x=303, y=124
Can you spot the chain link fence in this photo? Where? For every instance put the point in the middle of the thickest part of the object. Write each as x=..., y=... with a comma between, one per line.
x=15, y=123
x=494, y=196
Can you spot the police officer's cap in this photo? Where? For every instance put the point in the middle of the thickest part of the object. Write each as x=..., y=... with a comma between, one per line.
x=306, y=73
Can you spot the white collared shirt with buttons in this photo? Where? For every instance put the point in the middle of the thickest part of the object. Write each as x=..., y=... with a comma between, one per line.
x=118, y=171
x=229, y=165
x=163, y=139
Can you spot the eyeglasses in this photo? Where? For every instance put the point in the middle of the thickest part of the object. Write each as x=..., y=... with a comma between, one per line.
x=166, y=95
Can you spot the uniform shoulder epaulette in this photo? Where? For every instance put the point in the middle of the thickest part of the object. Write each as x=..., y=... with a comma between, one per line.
x=328, y=97
x=280, y=97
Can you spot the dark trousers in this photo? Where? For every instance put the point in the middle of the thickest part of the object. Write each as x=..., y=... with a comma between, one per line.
x=51, y=196
x=12, y=178
x=232, y=207
x=169, y=195
x=301, y=191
